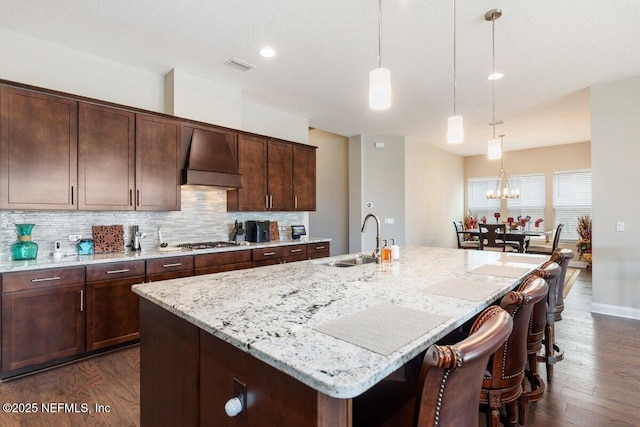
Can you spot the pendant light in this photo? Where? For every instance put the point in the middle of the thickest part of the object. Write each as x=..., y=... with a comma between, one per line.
x=504, y=190
x=494, y=145
x=380, y=78
x=455, y=129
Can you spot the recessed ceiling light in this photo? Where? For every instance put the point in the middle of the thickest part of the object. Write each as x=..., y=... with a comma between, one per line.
x=267, y=52
x=495, y=76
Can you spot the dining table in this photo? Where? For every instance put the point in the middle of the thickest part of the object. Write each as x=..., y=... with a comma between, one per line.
x=520, y=236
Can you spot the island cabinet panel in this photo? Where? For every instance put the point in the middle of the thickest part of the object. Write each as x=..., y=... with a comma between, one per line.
x=169, y=368
x=318, y=250
x=304, y=178
x=274, y=398
x=157, y=163
x=112, y=307
x=106, y=158
x=294, y=253
x=266, y=256
x=38, y=150
x=279, y=178
x=252, y=165
x=43, y=317
x=169, y=268
x=222, y=261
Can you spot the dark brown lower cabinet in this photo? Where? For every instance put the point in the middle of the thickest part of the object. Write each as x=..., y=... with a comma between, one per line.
x=169, y=268
x=266, y=256
x=318, y=250
x=187, y=375
x=43, y=317
x=112, y=307
x=222, y=261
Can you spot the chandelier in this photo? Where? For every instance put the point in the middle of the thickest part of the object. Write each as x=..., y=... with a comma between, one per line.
x=503, y=190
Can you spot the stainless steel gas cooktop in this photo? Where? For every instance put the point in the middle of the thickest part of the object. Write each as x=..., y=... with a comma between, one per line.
x=207, y=245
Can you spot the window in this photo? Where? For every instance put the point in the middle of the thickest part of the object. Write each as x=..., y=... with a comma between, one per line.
x=532, y=198
x=571, y=198
x=477, y=202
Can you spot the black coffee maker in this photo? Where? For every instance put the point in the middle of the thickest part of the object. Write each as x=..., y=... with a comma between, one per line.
x=258, y=231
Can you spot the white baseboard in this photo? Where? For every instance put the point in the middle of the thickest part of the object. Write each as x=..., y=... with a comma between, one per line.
x=615, y=310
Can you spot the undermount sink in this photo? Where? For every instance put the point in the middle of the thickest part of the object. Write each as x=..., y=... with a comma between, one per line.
x=351, y=262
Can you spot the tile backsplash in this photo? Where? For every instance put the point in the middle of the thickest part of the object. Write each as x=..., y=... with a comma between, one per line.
x=203, y=217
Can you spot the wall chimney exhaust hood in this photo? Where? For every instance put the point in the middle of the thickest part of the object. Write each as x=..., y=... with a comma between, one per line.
x=210, y=157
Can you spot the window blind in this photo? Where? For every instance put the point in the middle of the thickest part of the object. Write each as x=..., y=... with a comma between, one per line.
x=571, y=198
x=477, y=202
x=532, y=198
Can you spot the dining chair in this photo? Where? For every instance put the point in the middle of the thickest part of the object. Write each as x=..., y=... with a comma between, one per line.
x=540, y=324
x=450, y=379
x=492, y=238
x=462, y=243
x=547, y=249
x=502, y=384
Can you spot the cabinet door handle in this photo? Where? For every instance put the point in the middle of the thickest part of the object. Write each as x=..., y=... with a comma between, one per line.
x=296, y=250
x=319, y=247
x=137, y=197
x=72, y=196
x=175, y=264
x=124, y=270
x=45, y=279
x=295, y=202
x=268, y=253
x=81, y=300
x=270, y=201
x=266, y=201
x=130, y=197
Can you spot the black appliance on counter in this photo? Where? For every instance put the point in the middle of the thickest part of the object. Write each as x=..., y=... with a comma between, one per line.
x=258, y=231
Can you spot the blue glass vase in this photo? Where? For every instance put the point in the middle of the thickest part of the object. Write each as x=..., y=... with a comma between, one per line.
x=24, y=248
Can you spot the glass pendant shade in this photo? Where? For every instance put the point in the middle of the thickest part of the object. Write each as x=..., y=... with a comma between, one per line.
x=455, y=130
x=494, y=149
x=380, y=89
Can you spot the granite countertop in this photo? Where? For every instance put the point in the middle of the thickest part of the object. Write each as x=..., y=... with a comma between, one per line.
x=8, y=265
x=273, y=312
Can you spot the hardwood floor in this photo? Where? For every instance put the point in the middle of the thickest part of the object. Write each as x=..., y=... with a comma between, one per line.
x=597, y=383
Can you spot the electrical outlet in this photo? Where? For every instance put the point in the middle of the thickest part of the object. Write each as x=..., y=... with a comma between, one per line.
x=620, y=226
x=75, y=237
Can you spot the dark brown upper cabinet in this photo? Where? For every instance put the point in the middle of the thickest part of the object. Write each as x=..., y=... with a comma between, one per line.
x=304, y=177
x=276, y=175
x=106, y=158
x=279, y=169
x=38, y=150
x=157, y=163
x=252, y=164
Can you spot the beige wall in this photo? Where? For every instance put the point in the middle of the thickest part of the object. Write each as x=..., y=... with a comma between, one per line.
x=536, y=160
x=434, y=194
x=332, y=190
x=615, y=129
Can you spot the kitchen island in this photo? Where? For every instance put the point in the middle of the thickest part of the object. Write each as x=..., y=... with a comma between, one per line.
x=279, y=337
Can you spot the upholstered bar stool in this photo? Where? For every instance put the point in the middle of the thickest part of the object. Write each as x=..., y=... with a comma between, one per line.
x=561, y=256
x=450, y=379
x=502, y=384
x=549, y=271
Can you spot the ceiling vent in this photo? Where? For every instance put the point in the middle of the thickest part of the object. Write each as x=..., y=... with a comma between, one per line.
x=239, y=65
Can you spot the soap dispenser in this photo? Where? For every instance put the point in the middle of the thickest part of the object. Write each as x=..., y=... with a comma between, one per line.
x=395, y=250
x=386, y=252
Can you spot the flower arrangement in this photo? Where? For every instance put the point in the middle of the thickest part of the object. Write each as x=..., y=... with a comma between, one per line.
x=470, y=221
x=584, y=243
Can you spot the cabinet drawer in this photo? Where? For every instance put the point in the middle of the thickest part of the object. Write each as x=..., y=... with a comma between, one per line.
x=162, y=265
x=295, y=251
x=318, y=250
x=266, y=253
x=115, y=271
x=222, y=258
x=45, y=278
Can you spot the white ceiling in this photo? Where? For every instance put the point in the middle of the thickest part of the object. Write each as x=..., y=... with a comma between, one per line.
x=550, y=51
